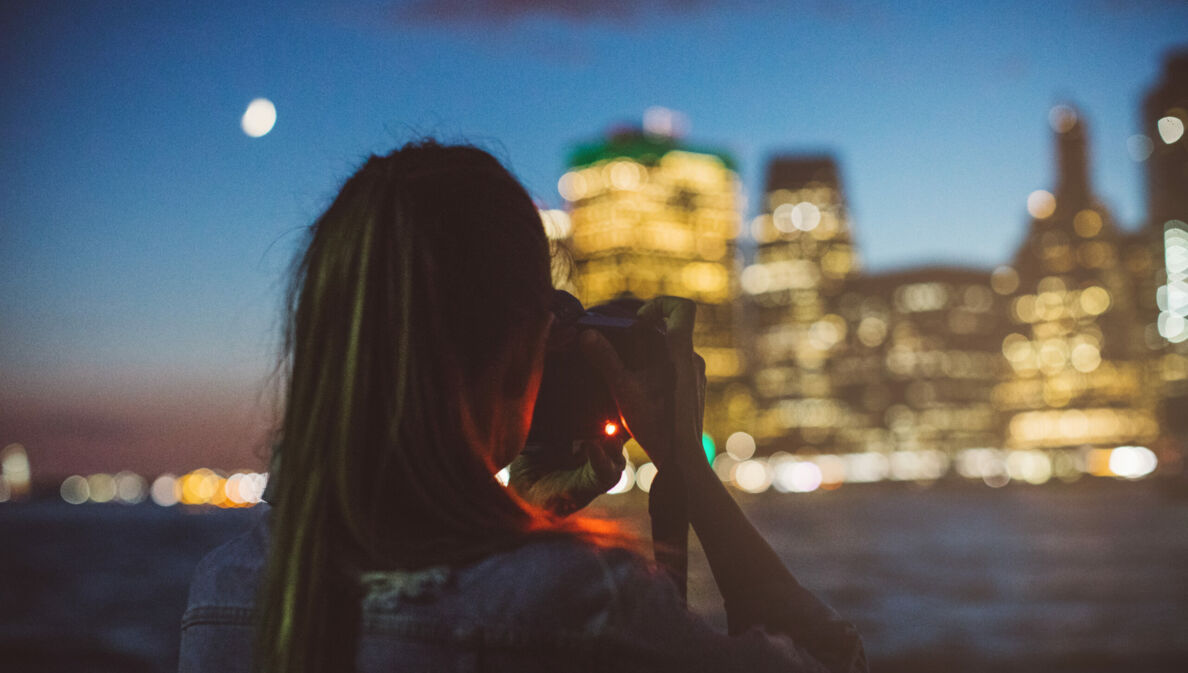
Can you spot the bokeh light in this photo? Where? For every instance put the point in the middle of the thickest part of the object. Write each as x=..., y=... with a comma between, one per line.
x=259, y=118
x=75, y=490
x=165, y=491
x=752, y=476
x=1171, y=129
x=740, y=445
x=1041, y=204
x=1132, y=462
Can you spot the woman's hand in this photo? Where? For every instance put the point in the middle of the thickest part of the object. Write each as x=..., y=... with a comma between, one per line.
x=669, y=434
x=565, y=481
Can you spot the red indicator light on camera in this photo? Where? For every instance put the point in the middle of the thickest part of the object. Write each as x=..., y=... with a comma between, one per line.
x=610, y=429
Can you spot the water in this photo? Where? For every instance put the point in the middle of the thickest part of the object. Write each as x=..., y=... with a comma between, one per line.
x=1087, y=577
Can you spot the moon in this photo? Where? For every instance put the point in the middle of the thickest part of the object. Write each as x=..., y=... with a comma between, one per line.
x=259, y=118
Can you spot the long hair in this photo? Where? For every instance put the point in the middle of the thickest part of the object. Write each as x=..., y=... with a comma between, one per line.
x=410, y=285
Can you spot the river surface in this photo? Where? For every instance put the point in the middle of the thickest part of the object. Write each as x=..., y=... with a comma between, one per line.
x=1085, y=577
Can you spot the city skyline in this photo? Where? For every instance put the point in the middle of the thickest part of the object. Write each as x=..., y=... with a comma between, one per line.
x=121, y=336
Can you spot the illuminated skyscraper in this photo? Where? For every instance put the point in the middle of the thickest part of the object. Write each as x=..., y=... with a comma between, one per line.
x=923, y=360
x=1075, y=347
x=803, y=260
x=650, y=217
x=1165, y=118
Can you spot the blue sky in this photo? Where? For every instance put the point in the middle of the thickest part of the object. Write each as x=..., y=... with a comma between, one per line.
x=143, y=236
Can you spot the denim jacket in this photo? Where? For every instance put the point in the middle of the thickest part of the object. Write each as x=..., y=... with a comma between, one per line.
x=556, y=604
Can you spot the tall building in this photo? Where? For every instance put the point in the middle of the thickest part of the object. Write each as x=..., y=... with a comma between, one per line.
x=803, y=259
x=650, y=216
x=1075, y=347
x=923, y=360
x=1165, y=118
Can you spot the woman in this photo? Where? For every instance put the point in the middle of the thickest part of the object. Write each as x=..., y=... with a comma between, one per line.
x=418, y=319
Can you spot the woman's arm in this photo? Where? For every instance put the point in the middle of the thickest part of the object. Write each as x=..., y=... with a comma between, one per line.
x=757, y=588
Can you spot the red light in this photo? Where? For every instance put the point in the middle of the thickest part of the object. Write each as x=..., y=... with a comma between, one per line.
x=610, y=428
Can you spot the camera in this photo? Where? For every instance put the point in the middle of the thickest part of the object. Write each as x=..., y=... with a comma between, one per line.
x=574, y=402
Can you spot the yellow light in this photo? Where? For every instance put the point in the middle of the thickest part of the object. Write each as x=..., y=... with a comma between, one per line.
x=102, y=486
x=1085, y=357
x=1087, y=223
x=610, y=429
x=625, y=175
x=1004, y=280
x=1095, y=300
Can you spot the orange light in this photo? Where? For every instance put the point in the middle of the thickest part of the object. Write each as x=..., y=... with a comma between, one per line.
x=610, y=428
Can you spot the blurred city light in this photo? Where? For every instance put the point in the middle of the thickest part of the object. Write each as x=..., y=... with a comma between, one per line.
x=1041, y=204
x=1171, y=129
x=15, y=474
x=644, y=475
x=1132, y=462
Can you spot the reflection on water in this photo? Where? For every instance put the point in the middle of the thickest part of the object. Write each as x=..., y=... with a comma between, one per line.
x=1087, y=577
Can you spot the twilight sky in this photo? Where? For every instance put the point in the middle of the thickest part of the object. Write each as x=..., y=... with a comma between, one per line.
x=143, y=235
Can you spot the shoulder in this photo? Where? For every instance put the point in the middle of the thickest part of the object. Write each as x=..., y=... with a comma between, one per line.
x=230, y=574
x=555, y=583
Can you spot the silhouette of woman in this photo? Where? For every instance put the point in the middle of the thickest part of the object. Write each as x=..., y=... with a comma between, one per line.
x=417, y=323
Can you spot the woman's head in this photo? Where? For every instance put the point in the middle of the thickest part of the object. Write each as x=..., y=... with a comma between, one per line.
x=417, y=318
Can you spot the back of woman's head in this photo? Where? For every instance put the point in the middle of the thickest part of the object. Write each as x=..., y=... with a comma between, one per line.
x=412, y=283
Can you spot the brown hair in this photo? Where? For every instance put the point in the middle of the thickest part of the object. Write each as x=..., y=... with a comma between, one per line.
x=411, y=283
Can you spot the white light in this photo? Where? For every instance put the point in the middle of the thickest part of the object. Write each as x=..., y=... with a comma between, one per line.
x=164, y=490
x=794, y=476
x=1133, y=462
x=1033, y=467
x=503, y=476
x=259, y=118
x=740, y=445
x=130, y=488
x=1170, y=128
x=1041, y=204
x=1171, y=325
x=752, y=476
x=863, y=468
x=626, y=481
x=805, y=216
x=781, y=217
x=251, y=487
